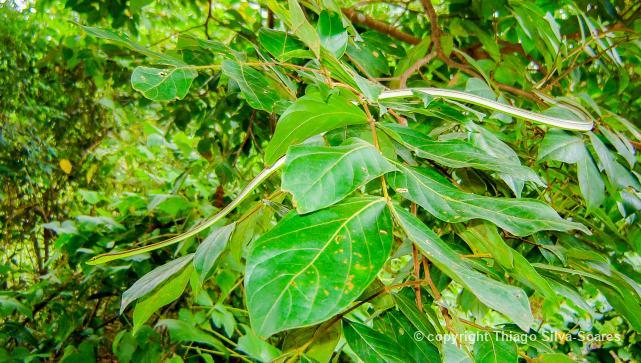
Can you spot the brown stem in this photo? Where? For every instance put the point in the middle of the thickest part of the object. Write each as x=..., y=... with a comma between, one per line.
x=380, y=26
x=415, y=67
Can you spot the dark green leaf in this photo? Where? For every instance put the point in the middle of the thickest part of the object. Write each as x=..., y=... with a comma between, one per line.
x=257, y=90
x=520, y=217
x=371, y=346
x=320, y=176
x=460, y=154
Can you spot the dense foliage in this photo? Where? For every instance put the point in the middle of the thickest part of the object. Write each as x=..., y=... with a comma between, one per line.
x=320, y=181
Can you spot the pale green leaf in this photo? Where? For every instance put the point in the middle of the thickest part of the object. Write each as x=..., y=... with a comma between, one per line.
x=483, y=237
x=561, y=146
x=162, y=84
x=320, y=176
x=152, y=280
x=257, y=348
x=308, y=268
x=302, y=28
x=621, y=144
x=398, y=327
x=491, y=144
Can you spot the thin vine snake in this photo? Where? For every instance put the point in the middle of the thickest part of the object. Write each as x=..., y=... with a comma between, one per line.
x=435, y=92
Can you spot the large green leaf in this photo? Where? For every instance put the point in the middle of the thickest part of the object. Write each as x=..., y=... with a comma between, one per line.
x=152, y=280
x=373, y=347
x=460, y=154
x=308, y=116
x=333, y=35
x=308, y=268
x=520, y=217
x=254, y=86
x=506, y=299
x=160, y=297
x=320, y=176
x=162, y=84
x=210, y=249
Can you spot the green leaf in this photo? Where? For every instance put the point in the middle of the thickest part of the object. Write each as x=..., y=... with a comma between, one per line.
x=210, y=249
x=257, y=348
x=322, y=345
x=491, y=144
x=123, y=40
x=493, y=350
x=162, y=84
x=279, y=43
x=254, y=86
x=460, y=154
x=590, y=182
x=553, y=358
x=417, y=318
x=372, y=346
x=508, y=300
x=621, y=144
x=181, y=331
x=333, y=35
x=618, y=175
x=455, y=354
x=398, y=327
x=320, y=176
x=561, y=146
x=483, y=237
x=308, y=268
x=302, y=28
x=520, y=217
x=152, y=280
x=160, y=297
x=308, y=116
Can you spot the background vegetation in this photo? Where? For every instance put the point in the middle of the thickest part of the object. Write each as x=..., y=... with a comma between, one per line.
x=124, y=123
